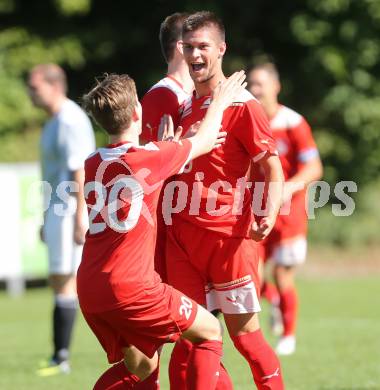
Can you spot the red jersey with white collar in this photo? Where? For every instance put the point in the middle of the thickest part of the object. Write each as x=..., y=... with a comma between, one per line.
x=296, y=146
x=218, y=198
x=122, y=186
x=294, y=140
x=165, y=97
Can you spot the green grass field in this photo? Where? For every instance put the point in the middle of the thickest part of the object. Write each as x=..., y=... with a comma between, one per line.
x=338, y=341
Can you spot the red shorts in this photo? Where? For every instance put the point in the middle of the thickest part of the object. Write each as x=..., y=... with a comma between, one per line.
x=214, y=270
x=147, y=323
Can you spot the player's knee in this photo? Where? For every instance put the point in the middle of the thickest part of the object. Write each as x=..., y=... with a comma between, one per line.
x=63, y=284
x=141, y=365
x=146, y=368
x=284, y=277
x=216, y=330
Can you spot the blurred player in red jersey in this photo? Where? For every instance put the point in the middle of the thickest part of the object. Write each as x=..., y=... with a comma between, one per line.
x=121, y=296
x=210, y=252
x=166, y=97
x=301, y=164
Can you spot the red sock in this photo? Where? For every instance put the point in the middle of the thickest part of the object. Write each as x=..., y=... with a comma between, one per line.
x=150, y=383
x=116, y=378
x=270, y=293
x=263, y=361
x=178, y=368
x=289, y=308
x=224, y=381
x=204, y=365
x=178, y=364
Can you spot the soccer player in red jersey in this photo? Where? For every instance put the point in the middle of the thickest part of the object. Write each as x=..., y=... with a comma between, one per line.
x=167, y=95
x=121, y=296
x=210, y=252
x=301, y=164
x=165, y=98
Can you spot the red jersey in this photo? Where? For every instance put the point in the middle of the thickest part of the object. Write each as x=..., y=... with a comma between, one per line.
x=122, y=186
x=218, y=198
x=296, y=146
x=294, y=140
x=165, y=97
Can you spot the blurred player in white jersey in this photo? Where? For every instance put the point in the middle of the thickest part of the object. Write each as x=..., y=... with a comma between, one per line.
x=67, y=139
x=286, y=244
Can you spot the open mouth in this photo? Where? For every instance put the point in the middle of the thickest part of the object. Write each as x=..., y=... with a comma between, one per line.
x=196, y=67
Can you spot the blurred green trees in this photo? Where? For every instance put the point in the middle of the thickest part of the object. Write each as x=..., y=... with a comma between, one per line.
x=328, y=53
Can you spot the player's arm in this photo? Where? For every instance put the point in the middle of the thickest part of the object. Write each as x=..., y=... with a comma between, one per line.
x=79, y=226
x=274, y=180
x=75, y=148
x=309, y=163
x=256, y=137
x=166, y=132
x=310, y=171
x=225, y=93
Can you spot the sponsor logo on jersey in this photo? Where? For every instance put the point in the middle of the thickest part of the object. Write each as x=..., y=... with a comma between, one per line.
x=232, y=300
x=187, y=108
x=206, y=103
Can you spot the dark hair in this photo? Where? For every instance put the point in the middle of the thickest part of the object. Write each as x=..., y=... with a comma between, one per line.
x=203, y=19
x=111, y=102
x=270, y=67
x=171, y=33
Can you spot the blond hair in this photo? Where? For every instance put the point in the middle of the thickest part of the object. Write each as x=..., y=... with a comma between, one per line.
x=112, y=102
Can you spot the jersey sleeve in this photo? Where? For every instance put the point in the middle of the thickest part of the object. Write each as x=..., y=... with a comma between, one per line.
x=173, y=157
x=155, y=104
x=254, y=133
x=304, y=143
x=78, y=142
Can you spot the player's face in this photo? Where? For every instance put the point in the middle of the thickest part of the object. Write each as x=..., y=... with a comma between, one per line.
x=40, y=91
x=263, y=85
x=203, y=50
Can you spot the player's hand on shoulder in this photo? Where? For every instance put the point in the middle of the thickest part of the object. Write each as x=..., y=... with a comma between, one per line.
x=228, y=90
x=166, y=130
x=193, y=129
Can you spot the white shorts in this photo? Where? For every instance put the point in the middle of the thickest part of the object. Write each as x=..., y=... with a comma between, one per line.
x=63, y=253
x=232, y=300
x=290, y=253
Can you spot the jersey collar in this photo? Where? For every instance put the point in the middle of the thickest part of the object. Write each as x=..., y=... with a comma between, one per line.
x=117, y=144
x=175, y=80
